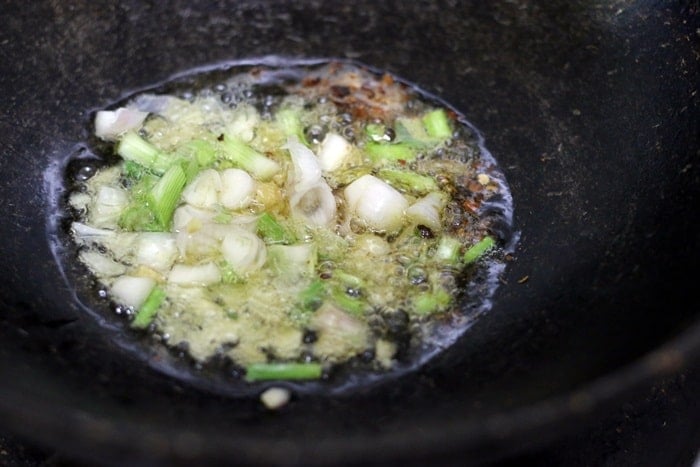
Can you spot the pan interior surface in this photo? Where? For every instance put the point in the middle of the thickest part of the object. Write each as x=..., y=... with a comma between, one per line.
x=591, y=109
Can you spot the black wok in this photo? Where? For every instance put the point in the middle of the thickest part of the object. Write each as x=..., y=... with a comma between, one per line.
x=591, y=109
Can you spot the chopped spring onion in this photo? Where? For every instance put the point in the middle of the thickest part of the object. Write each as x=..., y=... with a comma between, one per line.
x=244, y=251
x=348, y=280
x=376, y=203
x=244, y=122
x=249, y=159
x=132, y=290
x=353, y=305
x=280, y=371
x=166, y=193
x=203, y=191
x=334, y=151
x=376, y=132
x=410, y=131
x=292, y=261
x=448, y=250
x=478, y=249
x=431, y=302
x=409, y=181
x=194, y=275
x=109, y=125
x=147, y=312
x=139, y=217
x=134, y=171
x=427, y=209
x=86, y=231
x=272, y=231
x=399, y=152
x=157, y=250
x=312, y=296
x=314, y=205
x=307, y=170
x=134, y=148
x=437, y=125
x=318, y=220
x=275, y=398
x=311, y=200
x=203, y=151
x=289, y=122
x=237, y=189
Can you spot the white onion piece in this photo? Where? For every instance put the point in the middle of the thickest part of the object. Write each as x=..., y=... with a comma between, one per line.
x=274, y=398
x=376, y=203
x=189, y=218
x=198, y=244
x=426, y=210
x=331, y=319
x=245, y=119
x=152, y=103
x=80, y=201
x=119, y=244
x=112, y=196
x=338, y=332
x=109, y=203
x=292, y=261
x=110, y=124
x=311, y=199
x=315, y=205
x=333, y=152
x=373, y=245
x=156, y=250
x=131, y=290
x=243, y=251
x=249, y=223
x=307, y=170
x=204, y=274
x=237, y=189
x=203, y=191
x=102, y=265
x=85, y=231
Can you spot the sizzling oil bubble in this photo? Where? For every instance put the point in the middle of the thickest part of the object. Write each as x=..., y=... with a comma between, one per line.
x=265, y=86
x=84, y=173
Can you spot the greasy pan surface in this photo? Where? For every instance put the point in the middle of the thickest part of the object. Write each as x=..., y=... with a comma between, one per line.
x=591, y=109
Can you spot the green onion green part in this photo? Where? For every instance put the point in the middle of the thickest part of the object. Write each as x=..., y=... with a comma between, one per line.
x=272, y=231
x=411, y=132
x=477, y=250
x=432, y=302
x=203, y=151
x=409, y=181
x=290, y=123
x=390, y=152
x=134, y=148
x=312, y=296
x=353, y=305
x=249, y=159
x=437, y=125
x=283, y=371
x=133, y=171
x=147, y=312
x=376, y=132
x=166, y=193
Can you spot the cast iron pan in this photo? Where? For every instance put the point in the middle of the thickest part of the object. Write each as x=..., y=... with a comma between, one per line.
x=591, y=109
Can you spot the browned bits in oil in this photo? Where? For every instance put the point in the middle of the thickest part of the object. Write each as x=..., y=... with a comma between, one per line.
x=310, y=81
x=340, y=91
